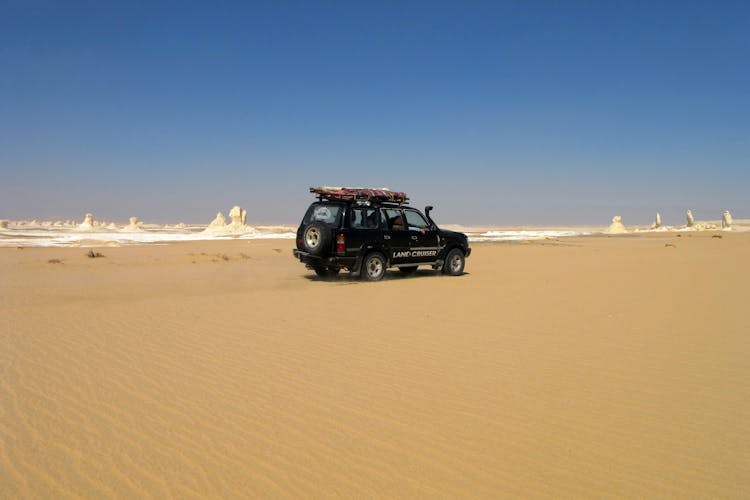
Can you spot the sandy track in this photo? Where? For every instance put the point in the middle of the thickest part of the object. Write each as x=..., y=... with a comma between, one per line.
x=588, y=367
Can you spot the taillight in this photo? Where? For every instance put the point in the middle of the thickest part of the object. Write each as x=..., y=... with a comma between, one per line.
x=340, y=241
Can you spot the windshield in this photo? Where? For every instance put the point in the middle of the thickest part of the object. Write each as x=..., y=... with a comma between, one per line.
x=327, y=213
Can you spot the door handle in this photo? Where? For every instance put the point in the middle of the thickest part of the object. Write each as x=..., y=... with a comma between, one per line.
x=414, y=237
x=386, y=237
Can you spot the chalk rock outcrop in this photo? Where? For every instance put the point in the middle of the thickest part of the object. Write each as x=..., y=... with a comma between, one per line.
x=237, y=215
x=694, y=225
x=657, y=222
x=87, y=224
x=726, y=220
x=616, y=227
x=134, y=226
x=690, y=218
x=218, y=222
x=4, y=224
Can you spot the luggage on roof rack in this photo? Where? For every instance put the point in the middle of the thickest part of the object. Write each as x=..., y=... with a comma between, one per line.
x=359, y=193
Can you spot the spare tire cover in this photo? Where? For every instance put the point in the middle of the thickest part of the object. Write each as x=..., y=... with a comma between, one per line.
x=316, y=238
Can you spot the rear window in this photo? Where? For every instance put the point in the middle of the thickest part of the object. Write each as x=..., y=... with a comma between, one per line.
x=327, y=213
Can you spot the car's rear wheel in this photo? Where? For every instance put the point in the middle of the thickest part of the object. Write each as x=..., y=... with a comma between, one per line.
x=316, y=238
x=326, y=272
x=408, y=269
x=373, y=267
x=454, y=263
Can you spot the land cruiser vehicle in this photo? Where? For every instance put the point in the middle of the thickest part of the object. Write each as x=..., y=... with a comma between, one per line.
x=365, y=231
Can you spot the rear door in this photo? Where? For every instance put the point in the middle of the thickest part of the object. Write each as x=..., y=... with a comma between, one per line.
x=423, y=238
x=365, y=228
x=396, y=236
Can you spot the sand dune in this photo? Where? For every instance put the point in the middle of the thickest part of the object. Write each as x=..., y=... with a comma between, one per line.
x=589, y=367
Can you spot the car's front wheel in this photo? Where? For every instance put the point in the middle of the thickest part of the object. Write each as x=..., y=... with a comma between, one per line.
x=454, y=263
x=373, y=267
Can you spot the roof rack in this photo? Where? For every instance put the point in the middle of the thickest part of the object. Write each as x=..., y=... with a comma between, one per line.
x=383, y=195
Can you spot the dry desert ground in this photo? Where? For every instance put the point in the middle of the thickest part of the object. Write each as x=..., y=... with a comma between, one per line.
x=582, y=367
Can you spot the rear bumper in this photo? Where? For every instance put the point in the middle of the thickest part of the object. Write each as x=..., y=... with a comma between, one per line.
x=335, y=262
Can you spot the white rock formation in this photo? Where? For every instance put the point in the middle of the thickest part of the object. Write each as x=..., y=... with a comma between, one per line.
x=218, y=222
x=726, y=220
x=4, y=223
x=134, y=226
x=616, y=227
x=235, y=214
x=657, y=222
x=690, y=218
x=238, y=215
x=237, y=225
x=694, y=225
x=87, y=224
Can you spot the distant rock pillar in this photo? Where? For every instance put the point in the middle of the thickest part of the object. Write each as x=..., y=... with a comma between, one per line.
x=235, y=214
x=616, y=227
x=134, y=224
x=87, y=224
x=690, y=218
x=657, y=222
x=219, y=221
x=726, y=220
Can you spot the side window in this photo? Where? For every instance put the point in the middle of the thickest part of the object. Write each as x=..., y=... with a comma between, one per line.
x=364, y=218
x=395, y=219
x=357, y=221
x=414, y=220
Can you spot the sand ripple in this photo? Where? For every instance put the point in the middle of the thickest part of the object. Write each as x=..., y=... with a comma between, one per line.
x=536, y=379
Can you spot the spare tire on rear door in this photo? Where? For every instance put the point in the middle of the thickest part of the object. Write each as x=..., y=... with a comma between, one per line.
x=316, y=238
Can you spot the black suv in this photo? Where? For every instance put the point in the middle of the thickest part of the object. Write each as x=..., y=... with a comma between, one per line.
x=365, y=231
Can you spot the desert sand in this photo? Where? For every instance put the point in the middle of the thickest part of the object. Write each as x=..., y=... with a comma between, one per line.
x=589, y=367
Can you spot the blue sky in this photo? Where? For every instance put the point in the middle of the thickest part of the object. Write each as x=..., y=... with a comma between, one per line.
x=495, y=112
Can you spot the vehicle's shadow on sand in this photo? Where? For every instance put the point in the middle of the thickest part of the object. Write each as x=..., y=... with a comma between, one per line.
x=346, y=278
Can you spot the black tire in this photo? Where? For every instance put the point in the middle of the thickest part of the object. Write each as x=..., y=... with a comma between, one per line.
x=325, y=272
x=454, y=263
x=373, y=267
x=316, y=238
x=408, y=269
